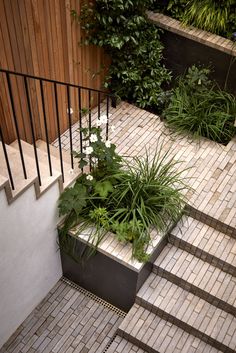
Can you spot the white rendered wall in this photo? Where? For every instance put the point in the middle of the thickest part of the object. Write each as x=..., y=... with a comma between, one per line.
x=29, y=258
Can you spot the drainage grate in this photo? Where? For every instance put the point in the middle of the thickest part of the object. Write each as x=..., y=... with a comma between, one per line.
x=109, y=343
x=118, y=311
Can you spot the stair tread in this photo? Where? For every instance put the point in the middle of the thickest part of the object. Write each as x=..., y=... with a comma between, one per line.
x=54, y=151
x=3, y=181
x=69, y=174
x=160, y=335
x=161, y=294
x=198, y=273
x=122, y=345
x=46, y=179
x=21, y=184
x=207, y=239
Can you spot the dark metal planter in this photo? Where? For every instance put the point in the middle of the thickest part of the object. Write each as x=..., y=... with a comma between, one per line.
x=110, y=278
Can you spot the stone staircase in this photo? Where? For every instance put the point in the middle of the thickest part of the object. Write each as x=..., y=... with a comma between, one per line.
x=188, y=303
x=21, y=184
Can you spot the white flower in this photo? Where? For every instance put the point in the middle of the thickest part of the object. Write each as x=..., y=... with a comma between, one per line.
x=108, y=144
x=93, y=138
x=88, y=150
x=113, y=128
x=99, y=123
x=89, y=177
x=103, y=119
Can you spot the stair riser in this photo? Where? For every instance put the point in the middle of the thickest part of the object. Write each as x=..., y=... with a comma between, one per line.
x=210, y=221
x=184, y=326
x=203, y=255
x=195, y=290
x=135, y=341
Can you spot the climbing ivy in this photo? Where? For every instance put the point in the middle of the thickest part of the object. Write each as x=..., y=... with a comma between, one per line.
x=121, y=27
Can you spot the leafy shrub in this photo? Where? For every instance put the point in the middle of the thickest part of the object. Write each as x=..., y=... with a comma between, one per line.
x=128, y=199
x=121, y=27
x=199, y=108
x=211, y=15
x=174, y=8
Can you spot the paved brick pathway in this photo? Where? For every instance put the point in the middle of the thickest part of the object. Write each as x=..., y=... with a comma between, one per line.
x=67, y=320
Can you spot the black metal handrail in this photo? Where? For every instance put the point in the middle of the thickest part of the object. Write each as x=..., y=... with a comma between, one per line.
x=58, y=82
x=26, y=79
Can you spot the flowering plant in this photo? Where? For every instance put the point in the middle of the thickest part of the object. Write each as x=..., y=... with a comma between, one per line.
x=128, y=199
x=98, y=153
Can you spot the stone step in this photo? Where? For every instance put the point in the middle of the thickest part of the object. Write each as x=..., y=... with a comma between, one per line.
x=122, y=345
x=70, y=174
x=191, y=313
x=5, y=184
x=197, y=276
x=46, y=179
x=206, y=243
x=21, y=184
x=215, y=222
x=54, y=151
x=154, y=334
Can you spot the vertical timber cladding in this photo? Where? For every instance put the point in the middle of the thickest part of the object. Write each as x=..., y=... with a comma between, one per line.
x=39, y=37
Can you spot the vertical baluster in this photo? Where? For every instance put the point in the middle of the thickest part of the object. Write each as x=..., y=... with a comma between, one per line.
x=32, y=129
x=45, y=127
x=59, y=131
x=90, y=125
x=80, y=123
x=70, y=126
x=90, y=114
x=99, y=105
x=7, y=160
x=107, y=127
x=16, y=124
x=80, y=120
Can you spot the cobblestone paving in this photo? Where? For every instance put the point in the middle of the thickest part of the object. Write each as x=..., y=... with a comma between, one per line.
x=66, y=321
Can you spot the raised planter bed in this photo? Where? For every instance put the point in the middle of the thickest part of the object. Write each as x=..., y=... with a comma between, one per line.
x=111, y=273
x=185, y=46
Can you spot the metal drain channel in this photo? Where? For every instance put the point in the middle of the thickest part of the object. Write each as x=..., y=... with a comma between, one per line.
x=118, y=311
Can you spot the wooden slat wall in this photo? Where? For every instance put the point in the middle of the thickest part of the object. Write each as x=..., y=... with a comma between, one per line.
x=38, y=37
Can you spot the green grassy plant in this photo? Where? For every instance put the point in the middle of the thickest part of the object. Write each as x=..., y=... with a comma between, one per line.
x=199, y=108
x=129, y=199
x=215, y=16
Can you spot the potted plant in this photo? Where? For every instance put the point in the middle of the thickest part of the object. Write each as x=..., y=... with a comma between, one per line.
x=127, y=197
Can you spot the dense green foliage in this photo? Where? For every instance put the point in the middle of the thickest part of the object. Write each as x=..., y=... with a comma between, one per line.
x=122, y=29
x=128, y=199
x=200, y=108
x=215, y=16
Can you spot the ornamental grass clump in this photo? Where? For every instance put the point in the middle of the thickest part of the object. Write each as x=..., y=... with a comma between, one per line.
x=199, y=108
x=126, y=198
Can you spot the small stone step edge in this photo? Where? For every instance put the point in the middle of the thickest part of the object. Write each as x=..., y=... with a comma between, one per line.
x=135, y=341
x=184, y=326
x=210, y=221
x=211, y=299
x=46, y=180
x=201, y=254
x=114, y=346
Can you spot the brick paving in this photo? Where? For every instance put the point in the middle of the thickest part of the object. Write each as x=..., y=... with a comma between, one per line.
x=188, y=303
x=66, y=321
x=210, y=168
x=159, y=335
